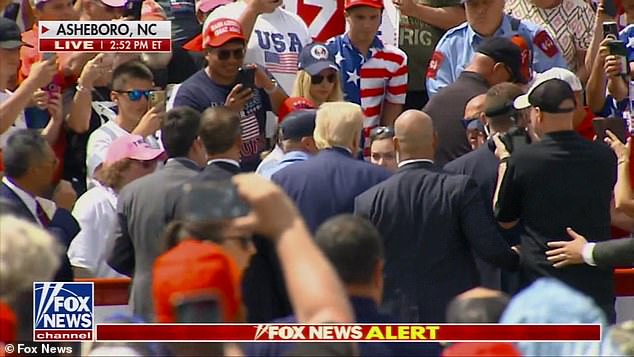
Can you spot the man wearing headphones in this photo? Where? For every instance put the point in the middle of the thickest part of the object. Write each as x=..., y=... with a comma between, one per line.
x=499, y=117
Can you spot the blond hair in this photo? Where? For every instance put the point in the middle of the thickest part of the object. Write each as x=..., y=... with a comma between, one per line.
x=301, y=88
x=27, y=254
x=338, y=124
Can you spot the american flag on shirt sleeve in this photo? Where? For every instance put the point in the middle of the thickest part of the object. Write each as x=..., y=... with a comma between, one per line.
x=383, y=78
x=281, y=62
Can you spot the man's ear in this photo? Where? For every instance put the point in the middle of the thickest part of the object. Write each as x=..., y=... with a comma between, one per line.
x=397, y=145
x=113, y=97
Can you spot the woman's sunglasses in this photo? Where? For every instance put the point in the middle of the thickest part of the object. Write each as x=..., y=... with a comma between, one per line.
x=224, y=55
x=136, y=94
x=318, y=78
x=381, y=131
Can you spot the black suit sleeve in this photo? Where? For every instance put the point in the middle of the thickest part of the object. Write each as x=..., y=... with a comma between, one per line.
x=481, y=231
x=508, y=207
x=121, y=257
x=614, y=252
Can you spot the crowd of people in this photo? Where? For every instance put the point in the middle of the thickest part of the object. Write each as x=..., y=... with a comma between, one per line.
x=477, y=171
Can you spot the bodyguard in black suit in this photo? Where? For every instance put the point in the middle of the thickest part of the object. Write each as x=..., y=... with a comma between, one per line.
x=481, y=165
x=29, y=164
x=430, y=222
x=326, y=185
x=146, y=206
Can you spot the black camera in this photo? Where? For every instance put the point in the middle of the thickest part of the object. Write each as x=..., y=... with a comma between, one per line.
x=516, y=136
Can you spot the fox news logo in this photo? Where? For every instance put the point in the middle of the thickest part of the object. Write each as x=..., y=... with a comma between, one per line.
x=63, y=311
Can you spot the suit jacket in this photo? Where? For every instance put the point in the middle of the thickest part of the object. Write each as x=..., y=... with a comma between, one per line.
x=144, y=208
x=482, y=166
x=614, y=252
x=63, y=227
x=430, y=222
x=325, y=185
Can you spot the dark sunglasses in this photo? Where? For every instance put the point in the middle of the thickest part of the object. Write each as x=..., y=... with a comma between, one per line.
x=318, y=78
x=467, y=121
x=224, y=55
x=385, y=131
x=135, y=94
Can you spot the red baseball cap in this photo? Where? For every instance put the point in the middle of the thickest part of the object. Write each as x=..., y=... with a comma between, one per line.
x=526, y=66
x=377, y=4
x=292, y=104
x=220, y=31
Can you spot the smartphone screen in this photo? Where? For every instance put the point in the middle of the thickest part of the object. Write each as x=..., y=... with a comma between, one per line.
x=217, y=200
x=616, y=125
x=133, y=9
x=617, y=48
x=611, y=30
x=199, y=308
x=246, y=77
x=157, y=99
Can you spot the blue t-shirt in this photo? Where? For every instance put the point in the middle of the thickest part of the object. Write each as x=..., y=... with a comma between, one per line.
x=200, y=92
x=627, y=36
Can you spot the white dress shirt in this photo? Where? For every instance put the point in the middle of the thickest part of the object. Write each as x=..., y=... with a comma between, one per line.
x=405, y=162
x=229, y=161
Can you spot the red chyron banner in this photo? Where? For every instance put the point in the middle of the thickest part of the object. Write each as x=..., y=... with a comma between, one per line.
x=347, y=332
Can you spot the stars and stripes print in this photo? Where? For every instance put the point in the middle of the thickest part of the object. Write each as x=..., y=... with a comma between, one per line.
x=371, y=80
x=281, y=62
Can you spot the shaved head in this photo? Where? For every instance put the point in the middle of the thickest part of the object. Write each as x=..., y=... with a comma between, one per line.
x=414, y=135
x=475, y=106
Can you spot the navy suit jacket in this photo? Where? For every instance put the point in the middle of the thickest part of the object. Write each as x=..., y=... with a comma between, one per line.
x=63, y=227
x=326, y=184
x=482, y=166
x=431, y=222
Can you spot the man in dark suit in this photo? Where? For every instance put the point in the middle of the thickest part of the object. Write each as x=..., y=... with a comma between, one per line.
x=146, y=206
x=482, y=166
x=325, y=185
x=29, y=164
x=430, y=222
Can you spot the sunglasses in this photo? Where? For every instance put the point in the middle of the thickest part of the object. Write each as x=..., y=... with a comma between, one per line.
x=381, y=131
x=318, y=78
x=136, y=94
x=224, y=55
x=467, y=121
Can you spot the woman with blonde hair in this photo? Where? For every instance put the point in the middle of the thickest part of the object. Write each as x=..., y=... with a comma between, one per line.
x=318, y=79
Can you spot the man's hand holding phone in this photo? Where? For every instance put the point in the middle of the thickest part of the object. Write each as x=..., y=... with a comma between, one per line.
x=150, y=123
x=42, y=72
x=238, y=98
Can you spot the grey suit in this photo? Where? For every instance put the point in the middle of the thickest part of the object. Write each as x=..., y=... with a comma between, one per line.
x=144, y=208
x=614, y=252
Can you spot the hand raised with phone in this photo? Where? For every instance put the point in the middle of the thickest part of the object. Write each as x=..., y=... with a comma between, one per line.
x=42, y=72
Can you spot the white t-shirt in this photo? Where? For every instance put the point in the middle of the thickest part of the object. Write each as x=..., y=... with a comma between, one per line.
x=276, y=41
x=96, y=213
x=98, y=144
x=19, y=123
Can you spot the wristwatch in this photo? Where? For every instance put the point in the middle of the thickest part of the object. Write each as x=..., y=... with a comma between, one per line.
x=275, y=86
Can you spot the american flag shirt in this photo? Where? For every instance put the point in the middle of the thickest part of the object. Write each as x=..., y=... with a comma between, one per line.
x=370, y=79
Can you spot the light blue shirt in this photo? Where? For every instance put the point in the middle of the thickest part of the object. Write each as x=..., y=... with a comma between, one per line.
x=458, y=45
x=288, y=159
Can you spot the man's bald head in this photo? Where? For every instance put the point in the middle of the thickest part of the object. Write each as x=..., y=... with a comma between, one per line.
x=414, y=135
x=475, y=106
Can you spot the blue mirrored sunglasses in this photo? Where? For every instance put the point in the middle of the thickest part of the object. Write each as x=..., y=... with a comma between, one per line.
x=135, y=94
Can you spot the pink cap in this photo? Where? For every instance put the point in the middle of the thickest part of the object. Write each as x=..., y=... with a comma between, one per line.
x=114, y=3
x=209, y=5
x=131, y=147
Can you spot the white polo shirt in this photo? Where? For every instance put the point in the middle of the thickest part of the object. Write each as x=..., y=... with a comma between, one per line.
x=96, y=213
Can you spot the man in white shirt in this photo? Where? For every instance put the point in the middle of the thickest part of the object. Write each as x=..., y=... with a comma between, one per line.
x=128, y=158
x=132, y=83
x=276, y=36
x=12, y=104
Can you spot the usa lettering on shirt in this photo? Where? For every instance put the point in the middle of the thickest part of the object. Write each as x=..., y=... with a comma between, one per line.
x=370, y=81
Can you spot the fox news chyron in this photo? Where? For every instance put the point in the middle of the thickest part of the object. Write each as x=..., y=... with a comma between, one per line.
x=105, y=36
x=63, y=311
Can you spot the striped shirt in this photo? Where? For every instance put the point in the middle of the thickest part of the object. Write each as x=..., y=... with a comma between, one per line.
x=371, y=79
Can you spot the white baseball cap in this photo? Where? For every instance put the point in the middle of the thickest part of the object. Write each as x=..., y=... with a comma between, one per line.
x=563, y=74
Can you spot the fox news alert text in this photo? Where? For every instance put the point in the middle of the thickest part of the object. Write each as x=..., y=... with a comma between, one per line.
x=104, y=36
x=346, y=332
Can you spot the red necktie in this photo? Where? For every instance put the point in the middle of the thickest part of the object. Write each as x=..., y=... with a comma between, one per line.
x=41, y=215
